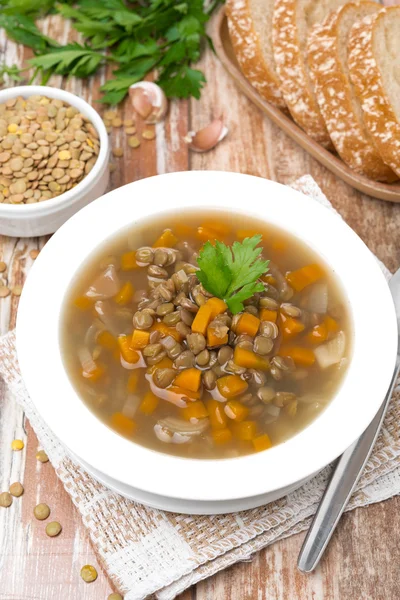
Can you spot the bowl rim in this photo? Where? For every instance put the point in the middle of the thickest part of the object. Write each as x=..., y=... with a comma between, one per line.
x=197, y=479
x=14, y=210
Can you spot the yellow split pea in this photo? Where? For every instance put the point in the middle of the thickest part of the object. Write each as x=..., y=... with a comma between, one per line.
x=17, y=445
x=88, y=573
x=64, y=155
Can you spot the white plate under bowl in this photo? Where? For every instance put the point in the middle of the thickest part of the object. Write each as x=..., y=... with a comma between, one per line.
x=270, y=473
x=188, y=507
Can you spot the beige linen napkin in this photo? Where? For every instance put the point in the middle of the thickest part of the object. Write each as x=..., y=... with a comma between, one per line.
x=149, y=551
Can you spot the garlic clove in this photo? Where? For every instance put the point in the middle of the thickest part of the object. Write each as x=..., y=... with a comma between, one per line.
x=207, y=138
x=149, y=101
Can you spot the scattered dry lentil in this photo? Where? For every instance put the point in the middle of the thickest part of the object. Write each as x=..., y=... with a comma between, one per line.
x=128, y=122
x=111, y=167
x=34, y=254
x=53, y=529
x=134, y=141
x=17, y=290
x=37, y=136
x=17, y=445
x=5, y=499
x=4, y=291
x=148, y=134
x=16, y=489
x=3, y=266
x=118, y=152
x=41, y=512
x=42, y=457
x=116, y=122
x=88, y=573
x=130, y=130
x=115, y=596
x=109, y=115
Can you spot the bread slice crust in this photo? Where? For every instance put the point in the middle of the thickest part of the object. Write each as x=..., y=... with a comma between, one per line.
x=339, y=105
x=292, y=68
x=379, y=114
x=248, y=51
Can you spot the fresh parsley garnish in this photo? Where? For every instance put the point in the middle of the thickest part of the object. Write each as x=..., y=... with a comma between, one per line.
x=231, y=272
x=164, y=36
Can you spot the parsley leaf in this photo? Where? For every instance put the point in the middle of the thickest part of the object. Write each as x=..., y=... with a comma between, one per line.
x=72, y=59
x=13, y=73
x=136, y=38
x=232, y=273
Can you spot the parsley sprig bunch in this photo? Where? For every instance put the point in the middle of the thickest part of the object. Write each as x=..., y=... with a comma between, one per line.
x=134, y=38
x=231, y=272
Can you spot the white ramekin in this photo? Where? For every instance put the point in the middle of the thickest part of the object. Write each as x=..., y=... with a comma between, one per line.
x=260, y=477
x=41, y=218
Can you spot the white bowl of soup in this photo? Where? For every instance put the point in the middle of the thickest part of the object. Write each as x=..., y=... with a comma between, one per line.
x=203, y=392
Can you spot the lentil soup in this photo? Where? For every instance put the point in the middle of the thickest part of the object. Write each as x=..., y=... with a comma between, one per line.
x=174, y=367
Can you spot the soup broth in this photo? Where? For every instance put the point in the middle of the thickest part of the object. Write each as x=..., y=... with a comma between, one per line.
x=165, y=363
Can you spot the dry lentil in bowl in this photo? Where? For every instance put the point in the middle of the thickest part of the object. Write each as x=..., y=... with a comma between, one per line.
x=170, y=365
x=46, y=148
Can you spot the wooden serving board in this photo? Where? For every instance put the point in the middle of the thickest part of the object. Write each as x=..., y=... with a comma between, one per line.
x=224, y=50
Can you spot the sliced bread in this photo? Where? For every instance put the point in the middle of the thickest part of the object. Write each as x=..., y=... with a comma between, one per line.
x=374, y=65
x=250, y=30
x=292, y=21
x=338, y=102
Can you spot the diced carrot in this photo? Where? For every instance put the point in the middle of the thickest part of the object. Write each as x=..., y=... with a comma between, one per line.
x=305, y=276
x=123, y=424
x=331, y=325
x=230, y=386
x=214, y=337
x=165, y=330
x=235, y=410
x=149, y=403
x=83, y=302
x=128, y=354
x=202, y=319
x=182, y=392
x=268, y=278
x=290, y=326
x=221, y=436
x=241, y=234
x=262, y=442
x=125, y=294
x=302, y=357
x=218, y=418
x=95, y=374
x=132, y=382
x=195, y=410
x=139, y=339
x=245, y=431
x=205, y=234
x=248, y=324
x=105, y=339
x=268, y=315
x=184, y=231
x=128, y=261
x=218, y=226
x=166, y=240
x=189, y=379
x=250, y=360
x=317, y=334
x=217, y=305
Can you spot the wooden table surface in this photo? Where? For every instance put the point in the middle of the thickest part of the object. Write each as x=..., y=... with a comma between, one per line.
x=363, y=557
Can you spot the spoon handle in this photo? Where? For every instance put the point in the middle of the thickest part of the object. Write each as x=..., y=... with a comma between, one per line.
x=340, y=488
